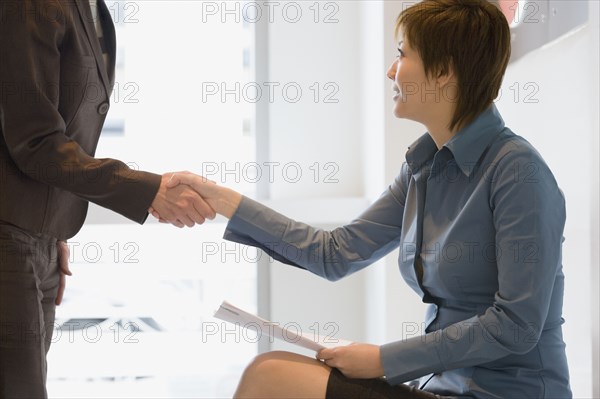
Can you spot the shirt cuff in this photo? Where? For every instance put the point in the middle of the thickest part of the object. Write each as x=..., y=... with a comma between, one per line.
x=410, y=358
x=255, y=224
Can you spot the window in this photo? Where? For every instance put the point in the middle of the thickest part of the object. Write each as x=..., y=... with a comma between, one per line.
x=137, y=317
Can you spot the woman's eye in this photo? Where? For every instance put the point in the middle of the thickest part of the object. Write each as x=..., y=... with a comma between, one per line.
x=400, y=53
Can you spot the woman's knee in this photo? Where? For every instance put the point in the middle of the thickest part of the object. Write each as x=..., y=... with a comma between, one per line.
x=280, y=374
x=268, y=365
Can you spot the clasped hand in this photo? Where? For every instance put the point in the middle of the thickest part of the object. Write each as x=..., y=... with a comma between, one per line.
x=186, y=199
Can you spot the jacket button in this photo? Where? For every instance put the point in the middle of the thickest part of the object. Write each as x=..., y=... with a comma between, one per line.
x=103, y=108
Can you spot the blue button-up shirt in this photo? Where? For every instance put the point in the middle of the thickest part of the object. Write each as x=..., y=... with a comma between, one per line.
x=479, y=224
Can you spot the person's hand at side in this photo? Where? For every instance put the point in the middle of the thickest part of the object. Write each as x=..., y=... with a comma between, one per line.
x=355, y=360
x=62, y=252
x=180, y=205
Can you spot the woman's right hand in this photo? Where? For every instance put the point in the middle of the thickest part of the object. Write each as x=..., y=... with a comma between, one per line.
x=224, y=201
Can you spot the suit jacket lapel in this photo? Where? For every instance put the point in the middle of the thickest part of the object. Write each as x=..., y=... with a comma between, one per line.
x=83, y=6
x=110, y=40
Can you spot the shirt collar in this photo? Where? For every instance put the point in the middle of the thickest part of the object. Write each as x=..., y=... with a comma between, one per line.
x=420, y=152
x=467, y=145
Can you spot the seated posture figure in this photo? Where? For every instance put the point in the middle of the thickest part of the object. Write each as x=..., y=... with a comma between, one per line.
x=478, y=218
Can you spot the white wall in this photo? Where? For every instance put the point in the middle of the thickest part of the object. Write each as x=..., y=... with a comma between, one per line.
x=306, y=132
x=328, y=133
x=594, y=203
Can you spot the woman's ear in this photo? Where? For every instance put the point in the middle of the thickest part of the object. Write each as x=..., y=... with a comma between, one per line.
x=446, y=77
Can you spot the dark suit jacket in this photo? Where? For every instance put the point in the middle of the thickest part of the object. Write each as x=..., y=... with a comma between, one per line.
x=54, y=96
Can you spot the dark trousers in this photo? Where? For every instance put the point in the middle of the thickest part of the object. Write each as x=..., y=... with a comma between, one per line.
x=29, y=278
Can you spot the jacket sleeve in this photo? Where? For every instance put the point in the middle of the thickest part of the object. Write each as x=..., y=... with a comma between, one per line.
x=35, y=132
x=329, y=254
x=528, y=216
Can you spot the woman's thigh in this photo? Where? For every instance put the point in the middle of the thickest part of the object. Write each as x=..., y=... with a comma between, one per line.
x=289, y=375
x=284, y=375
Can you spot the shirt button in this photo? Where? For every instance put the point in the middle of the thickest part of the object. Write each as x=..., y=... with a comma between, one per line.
x=103, y=108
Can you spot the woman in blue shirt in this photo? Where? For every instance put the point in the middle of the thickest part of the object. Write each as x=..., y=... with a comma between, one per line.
x=478, y=217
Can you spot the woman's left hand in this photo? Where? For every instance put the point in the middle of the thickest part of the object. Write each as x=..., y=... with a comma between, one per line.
x=355, y=360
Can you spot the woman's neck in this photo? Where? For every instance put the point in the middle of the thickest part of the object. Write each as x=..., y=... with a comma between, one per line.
x=439, y=131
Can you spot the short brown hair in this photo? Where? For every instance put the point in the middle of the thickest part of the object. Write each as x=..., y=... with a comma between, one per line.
x=472, y=37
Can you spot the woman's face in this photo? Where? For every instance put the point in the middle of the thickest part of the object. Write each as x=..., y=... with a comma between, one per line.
x=412, y=89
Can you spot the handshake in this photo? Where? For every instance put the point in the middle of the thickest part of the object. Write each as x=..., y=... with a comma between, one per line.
x=186, y=199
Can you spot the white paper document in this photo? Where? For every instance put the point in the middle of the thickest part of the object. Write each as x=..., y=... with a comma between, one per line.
x=262, y=327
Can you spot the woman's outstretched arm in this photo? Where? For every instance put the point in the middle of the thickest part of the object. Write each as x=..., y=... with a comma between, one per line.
x=330, y=254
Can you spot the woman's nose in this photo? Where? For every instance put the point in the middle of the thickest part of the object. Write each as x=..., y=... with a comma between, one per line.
x=391, y=72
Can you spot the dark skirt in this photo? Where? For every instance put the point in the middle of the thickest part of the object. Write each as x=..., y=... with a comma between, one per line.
x=341, y=387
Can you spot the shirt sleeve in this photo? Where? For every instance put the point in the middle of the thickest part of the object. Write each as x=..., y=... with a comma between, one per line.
x=34, y=131
x=528, y=217
x=329, y=254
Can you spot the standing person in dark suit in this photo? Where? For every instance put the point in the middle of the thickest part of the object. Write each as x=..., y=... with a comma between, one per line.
x=57, y=66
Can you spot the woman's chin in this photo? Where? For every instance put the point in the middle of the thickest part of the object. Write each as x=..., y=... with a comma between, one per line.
x=399, y=113
x=403, y=114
